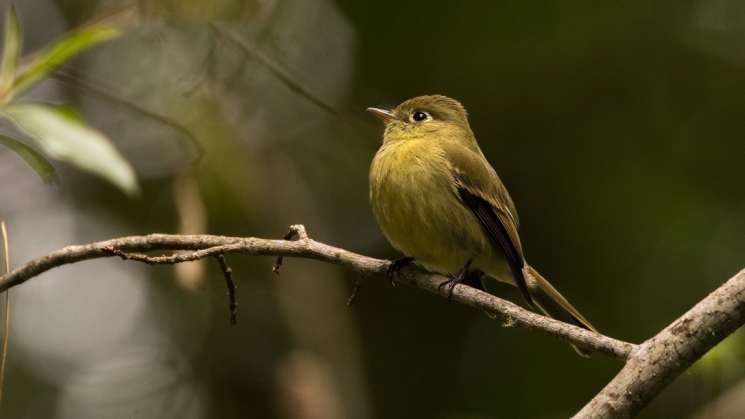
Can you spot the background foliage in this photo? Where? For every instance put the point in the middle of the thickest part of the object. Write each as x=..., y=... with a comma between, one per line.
x=616, y=127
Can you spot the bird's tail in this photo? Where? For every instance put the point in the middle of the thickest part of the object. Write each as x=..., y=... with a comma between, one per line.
x=551, y=302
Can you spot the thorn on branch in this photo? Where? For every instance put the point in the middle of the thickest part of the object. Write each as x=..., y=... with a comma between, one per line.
x=297, y=231
x=228, y=274
x=355, y=292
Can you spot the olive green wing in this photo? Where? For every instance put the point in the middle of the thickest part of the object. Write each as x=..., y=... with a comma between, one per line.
x=478, y=187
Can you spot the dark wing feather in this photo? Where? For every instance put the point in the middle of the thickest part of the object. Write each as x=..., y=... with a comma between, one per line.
x=498, y=235
x=479, y=188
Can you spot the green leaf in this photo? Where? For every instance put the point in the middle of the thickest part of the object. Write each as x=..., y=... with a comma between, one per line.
x=33, y=158
x=57, y=54
x=11, y=52
x=63, y=136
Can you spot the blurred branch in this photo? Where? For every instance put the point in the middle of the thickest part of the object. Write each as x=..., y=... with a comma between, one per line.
x=274, y=68
x=6, y=329
x=659, y=360
x=192, y=219
x=105, y=93
x=201, y=246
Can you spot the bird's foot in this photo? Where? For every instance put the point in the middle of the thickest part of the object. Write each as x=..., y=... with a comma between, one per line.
x=450, y=283
x=474, y=279
x=396, y=266
x=455, y=280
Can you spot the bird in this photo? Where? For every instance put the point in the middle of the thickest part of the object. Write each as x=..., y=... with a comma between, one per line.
x=441, y=204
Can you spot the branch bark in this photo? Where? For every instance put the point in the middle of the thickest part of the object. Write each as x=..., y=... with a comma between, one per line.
x=649, y=366
x=659, y=360
x=201, y=246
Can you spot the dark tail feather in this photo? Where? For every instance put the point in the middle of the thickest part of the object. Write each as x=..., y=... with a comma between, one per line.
x=553, y=304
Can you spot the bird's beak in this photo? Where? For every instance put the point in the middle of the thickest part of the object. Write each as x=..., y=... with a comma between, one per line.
x=384, y=114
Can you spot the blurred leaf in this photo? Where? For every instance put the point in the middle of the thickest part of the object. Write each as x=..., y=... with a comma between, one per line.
x=64, y=136
x=69, y=113
x=33, y=158
x=54, y=56
x=11, y=51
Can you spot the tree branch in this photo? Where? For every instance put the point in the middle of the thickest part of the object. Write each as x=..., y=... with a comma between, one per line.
x=649, y=366
x=659, y=360
x=201, y=246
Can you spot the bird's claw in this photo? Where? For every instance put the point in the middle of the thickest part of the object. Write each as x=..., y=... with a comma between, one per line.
x=450, y=283
x=455, y=280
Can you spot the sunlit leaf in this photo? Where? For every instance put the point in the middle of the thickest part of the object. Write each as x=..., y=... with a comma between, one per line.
x=33, y=158
x=64, y=136
x=57, y=54
x=11, y=51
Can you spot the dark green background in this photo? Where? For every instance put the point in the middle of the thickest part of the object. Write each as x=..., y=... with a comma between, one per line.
x=616, y=126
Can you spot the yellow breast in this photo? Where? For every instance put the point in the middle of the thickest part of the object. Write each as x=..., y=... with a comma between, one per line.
x=414, y=200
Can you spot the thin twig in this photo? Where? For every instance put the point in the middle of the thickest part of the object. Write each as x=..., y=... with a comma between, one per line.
x=228, y=274
x=105, y=93
x=169, y=259
x=6, y=332
x=274, y=68
x=355, y=292
x=278, y=262
x=216, y=251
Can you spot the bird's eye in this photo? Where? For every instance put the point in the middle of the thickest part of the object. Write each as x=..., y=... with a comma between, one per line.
x=419, y=116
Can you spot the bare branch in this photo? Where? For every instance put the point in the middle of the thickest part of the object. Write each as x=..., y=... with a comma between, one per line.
x=202, y=246
x=649, y=368
x=659, y=360
x=228, y=274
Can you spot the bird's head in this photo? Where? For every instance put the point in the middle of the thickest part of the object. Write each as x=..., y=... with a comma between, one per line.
x=432, y=117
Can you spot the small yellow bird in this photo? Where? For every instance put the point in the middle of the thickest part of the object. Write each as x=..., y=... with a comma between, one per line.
x=439, y=202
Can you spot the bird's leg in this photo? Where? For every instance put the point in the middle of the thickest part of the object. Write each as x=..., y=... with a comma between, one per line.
x=457, y=279
x=474, y=279
x=396, y=266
